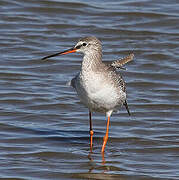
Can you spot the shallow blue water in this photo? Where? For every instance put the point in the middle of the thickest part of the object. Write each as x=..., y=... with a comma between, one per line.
x=45, y=129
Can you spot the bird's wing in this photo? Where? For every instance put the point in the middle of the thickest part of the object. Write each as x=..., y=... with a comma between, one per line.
x=119, y=63
x=73, y=81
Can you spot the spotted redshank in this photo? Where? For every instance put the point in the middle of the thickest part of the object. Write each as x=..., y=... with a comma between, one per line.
x=99, y=86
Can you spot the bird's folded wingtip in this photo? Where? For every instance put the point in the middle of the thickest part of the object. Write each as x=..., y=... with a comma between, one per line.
x=127, y=108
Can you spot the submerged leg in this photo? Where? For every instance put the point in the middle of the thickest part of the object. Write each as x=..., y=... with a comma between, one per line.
x=91, y=131
x=106, y=136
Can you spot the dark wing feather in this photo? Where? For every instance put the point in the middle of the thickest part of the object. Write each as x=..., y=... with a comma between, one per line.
x=127, y=108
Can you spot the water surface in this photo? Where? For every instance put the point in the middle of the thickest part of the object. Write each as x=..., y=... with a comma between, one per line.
x=45, y=129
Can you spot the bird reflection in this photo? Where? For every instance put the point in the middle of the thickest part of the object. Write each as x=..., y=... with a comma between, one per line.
x=91, y=161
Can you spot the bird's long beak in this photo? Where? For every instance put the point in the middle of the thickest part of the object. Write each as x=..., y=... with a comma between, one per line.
x=61, y=53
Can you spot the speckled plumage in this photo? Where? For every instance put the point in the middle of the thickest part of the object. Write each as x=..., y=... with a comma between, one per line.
x=98, y=85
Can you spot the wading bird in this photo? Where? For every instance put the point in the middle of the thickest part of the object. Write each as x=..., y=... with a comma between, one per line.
x=99, y=86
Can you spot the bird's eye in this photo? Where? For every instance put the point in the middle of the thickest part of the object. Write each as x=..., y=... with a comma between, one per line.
x=84, y=44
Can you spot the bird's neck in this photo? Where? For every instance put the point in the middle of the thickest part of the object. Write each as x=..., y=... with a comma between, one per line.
x=91, y=61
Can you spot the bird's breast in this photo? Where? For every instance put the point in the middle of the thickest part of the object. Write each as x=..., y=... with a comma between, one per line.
x=98, y=92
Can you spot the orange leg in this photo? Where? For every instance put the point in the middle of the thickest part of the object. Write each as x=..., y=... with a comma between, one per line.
x=91, y=132
x=106, y=136
x=91, y=139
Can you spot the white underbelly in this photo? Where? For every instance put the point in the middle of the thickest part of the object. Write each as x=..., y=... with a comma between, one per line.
x=100, y=96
